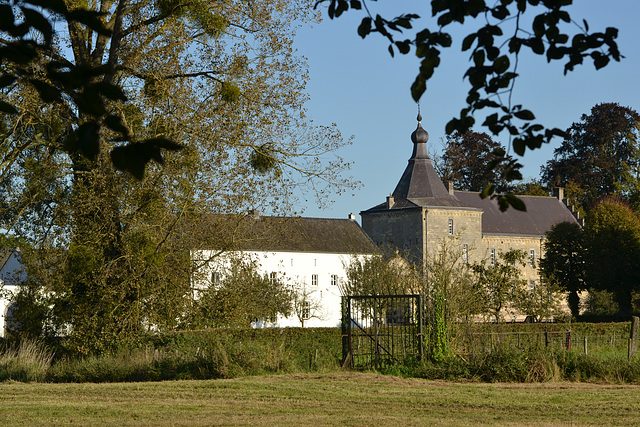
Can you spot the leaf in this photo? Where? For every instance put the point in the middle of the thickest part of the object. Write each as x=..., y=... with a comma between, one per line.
x=365, y=27
x=524, y=115
x=47, y=92
x=501, y=64
x=133, y=158
x=88, y=139
x=468, y=41
x=7, y=79
x=115, y=123
x=39, y=22
x=515, y=202
x=487, y=191
x=7, y=108
x=111, y=91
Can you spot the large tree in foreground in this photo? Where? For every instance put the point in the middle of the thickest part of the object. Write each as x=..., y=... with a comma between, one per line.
x=218, y=79
x=600, y=156
x=499, y=34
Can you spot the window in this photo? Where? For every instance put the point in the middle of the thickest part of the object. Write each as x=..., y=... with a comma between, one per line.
x=450, y=226
x=334, y=280
x=291, y=262
x=492, y=258
x=314, y=280
x=273, y=277
x=532, y=257
x=215, y=278
x=465, y=253
x=532, y=285
x=306, y=310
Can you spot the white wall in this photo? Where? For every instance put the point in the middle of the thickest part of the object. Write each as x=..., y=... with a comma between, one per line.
x=10, y=275
x=295, y=269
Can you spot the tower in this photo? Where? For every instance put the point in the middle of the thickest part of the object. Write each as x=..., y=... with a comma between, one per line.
x=421, y=213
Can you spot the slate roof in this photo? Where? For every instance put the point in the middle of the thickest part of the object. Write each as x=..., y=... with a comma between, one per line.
x=295, y=234
x=541, y=215
x=5, y=254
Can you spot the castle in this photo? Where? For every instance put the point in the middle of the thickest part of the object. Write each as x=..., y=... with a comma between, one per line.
x=422, y=212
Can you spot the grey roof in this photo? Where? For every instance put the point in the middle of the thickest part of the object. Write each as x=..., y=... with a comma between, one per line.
x=541, y=215
x=296, y=234
x=5, y=254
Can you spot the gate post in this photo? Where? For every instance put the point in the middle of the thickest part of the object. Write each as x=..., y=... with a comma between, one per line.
x=346, y=331
x=420, y=328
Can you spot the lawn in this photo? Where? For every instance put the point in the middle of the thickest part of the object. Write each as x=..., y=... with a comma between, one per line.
x=322, y=399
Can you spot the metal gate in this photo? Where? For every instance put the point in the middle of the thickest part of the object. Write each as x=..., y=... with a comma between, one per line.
x=379, y=330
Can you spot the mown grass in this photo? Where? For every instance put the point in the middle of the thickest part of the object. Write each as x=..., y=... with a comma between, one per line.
x=318, y=399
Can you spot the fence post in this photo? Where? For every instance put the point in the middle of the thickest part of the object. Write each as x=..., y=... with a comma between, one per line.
x=585, y=345
x=633, y=337
x=420, y=329
x=546, y=338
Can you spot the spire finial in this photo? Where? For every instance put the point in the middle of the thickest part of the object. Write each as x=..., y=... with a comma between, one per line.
x=419, y=115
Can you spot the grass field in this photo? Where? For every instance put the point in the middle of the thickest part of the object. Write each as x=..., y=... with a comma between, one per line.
x=328, y=399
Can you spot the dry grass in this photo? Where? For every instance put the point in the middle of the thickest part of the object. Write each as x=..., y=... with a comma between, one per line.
x=329, y=399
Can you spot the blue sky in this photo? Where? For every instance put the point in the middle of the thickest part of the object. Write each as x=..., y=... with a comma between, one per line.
x=357, y=85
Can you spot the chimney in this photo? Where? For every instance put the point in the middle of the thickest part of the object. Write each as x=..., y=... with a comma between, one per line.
x=352, y=217
x=390, y=202
x=451, y=187
x=558, y=192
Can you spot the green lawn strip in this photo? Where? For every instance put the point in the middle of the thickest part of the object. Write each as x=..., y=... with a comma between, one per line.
x=344, y=399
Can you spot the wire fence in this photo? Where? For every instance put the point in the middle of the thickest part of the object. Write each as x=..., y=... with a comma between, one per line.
x=484, y=342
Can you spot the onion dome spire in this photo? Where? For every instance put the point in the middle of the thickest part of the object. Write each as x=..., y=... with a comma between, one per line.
x=420, y=137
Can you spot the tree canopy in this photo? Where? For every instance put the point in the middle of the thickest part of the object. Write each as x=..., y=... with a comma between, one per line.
x=613, y=233
x=564, y=262
x=220, y=80
x=600, y=156
x=500, y=32
x=465, y=159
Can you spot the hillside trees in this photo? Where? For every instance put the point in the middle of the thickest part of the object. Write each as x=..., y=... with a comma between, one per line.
x=465, y=159
x=599, y=157
x=502, y=32
x=219, y=80
x=613, y=233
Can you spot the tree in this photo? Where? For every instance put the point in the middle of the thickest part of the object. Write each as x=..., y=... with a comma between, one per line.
x=499, y=282
x=465, y=159
x=530, y=188
x=564, y=262
x=613, y=236
x=27, y=48
x=601, y=155
x=541, y=300
x=450, y=295
x=242, y=297
x=379, y=275
x=306, y=304
x=495, y=48
x=221, y=81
